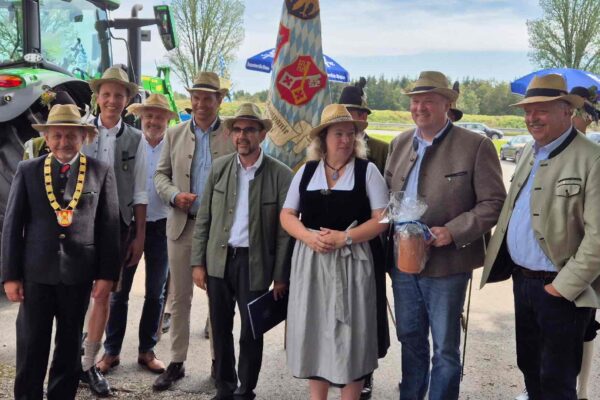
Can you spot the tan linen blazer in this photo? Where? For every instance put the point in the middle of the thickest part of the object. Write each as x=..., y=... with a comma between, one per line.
x=565, y=214
x=460, y=180
x=174, y=167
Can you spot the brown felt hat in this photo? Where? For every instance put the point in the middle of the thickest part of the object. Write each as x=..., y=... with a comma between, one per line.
x=154, y=101
x=549, y=88
x=66, y=115
x=433, y=82
x=249, y=112
x=208, y=82
x=115, y=75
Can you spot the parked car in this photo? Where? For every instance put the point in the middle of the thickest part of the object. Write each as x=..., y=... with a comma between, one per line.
x=513, y=149
x=481, y=128
x=593, y=136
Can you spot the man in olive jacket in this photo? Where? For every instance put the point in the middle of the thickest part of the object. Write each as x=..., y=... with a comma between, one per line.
x=548, y=240
x=234, y=259
x=457, y=173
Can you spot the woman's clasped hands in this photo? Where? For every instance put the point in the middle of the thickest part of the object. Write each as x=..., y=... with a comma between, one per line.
x=325, y=240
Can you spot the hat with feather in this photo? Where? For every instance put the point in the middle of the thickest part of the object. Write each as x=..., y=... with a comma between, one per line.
x=354, y=96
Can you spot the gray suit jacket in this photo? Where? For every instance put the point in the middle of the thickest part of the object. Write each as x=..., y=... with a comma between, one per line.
x=174, y=167
x=461, y=182
x=270, y=246
x=35, y=248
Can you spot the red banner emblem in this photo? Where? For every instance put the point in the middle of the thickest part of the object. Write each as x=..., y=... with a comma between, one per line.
x=300, y=81
x=283, y=37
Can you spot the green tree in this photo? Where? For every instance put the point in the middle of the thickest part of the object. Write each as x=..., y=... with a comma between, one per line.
x=11, y=32
x=568, y=35
x=210, y=31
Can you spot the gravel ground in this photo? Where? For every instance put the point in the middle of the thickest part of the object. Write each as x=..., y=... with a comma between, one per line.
x=490, y=367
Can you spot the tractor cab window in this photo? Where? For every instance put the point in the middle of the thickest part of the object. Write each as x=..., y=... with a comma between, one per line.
x=11, y=31
x=68, y=36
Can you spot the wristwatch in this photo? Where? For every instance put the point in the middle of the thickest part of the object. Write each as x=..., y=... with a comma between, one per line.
x=348, y=239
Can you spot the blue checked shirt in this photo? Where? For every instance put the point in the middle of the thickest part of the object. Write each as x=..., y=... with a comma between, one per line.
x=201, y=163
x=522, y=244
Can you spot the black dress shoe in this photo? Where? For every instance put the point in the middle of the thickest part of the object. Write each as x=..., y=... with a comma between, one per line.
x=367, y=390
x=96, y=381
x=166, y=323
x=82, y=350
x=174, y=372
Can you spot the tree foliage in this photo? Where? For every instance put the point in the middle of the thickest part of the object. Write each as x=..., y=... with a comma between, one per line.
x=10, y=37
x=568, y=35
x=210, y=31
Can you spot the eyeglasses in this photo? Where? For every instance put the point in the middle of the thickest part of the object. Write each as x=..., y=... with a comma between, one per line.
x=251, y=130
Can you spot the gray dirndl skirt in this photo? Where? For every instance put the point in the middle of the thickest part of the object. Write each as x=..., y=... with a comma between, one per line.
x=332, y=314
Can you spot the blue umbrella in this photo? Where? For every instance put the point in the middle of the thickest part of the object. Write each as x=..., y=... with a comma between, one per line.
x=574, y=77
x=263, y=62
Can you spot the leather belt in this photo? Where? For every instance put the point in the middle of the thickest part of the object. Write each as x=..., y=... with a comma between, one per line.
x=236, y=251
x=527, y=273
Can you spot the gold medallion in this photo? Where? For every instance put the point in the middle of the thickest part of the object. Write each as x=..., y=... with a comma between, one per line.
x=64, y=216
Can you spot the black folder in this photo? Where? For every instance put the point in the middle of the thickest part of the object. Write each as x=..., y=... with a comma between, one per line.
x=265, y=313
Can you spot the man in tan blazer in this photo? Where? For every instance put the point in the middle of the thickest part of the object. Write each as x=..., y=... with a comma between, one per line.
x=457, y=173
x=186, y=158
x=548, y=240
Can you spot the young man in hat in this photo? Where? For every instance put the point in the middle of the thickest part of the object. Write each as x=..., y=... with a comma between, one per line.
x=155, y=115
x=121, y=146
x=183, y=168
x=244, y=186
x=547, y=241
x=457, y=173
x=354, y=99
x=60, y=230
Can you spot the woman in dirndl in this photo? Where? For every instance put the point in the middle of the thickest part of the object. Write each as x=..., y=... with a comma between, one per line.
x=333, y=208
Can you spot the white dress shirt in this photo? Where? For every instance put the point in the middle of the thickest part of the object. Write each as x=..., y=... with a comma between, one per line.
x=377, y=190
x=156, y=210
x=103, y=149
x=239, y=229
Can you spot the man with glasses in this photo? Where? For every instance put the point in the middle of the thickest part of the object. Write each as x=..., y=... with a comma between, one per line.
x=236, y=261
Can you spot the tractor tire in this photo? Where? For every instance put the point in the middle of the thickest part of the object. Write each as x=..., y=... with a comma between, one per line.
x=11, y=152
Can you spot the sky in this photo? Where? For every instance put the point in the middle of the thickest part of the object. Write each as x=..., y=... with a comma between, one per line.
x=484, y=39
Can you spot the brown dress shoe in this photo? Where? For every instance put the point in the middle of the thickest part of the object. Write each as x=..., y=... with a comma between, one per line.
x=107, y=362
x=150, y=362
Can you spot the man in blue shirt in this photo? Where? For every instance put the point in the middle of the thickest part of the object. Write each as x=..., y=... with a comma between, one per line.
x=188, y=152
x=547, y=240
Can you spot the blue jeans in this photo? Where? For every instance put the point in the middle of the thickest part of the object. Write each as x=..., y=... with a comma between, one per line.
x=157, y=267
x=424, y=303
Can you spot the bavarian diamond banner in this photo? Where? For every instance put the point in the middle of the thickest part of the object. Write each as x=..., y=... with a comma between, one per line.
x=299, y=88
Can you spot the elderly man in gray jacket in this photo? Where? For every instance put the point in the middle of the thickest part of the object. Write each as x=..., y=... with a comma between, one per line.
x=235, y=260
x=457, y=173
